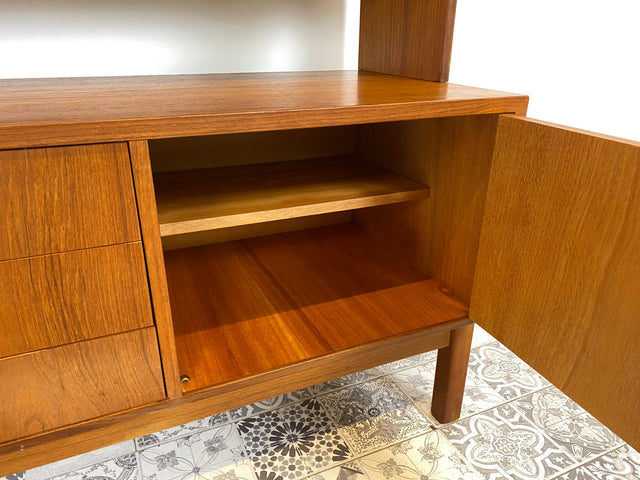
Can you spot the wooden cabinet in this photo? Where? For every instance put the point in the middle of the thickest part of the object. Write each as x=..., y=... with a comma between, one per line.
x=258, y=233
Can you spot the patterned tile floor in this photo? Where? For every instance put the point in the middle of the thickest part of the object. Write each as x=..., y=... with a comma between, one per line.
x=376, y=425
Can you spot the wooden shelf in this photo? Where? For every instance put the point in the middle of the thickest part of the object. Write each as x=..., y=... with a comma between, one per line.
x=205, y=199
x=41, y=112
x=250, y=306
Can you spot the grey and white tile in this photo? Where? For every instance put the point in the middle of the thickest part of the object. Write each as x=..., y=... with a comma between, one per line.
x=583, y=437
x=579, y=473
x=390, y=463
x=269, y=404
x=373, y=414
x=181, y=430
x=621, y=464
x=120, y=468
x=436, y=458
x=409, y=362
x=417, y=382
x=80, y=461
x=346, y=380
x=504, y=372
x=275, y=466
x=500, y=443
x=347, y=471
x=543, y=408
x=193, y=456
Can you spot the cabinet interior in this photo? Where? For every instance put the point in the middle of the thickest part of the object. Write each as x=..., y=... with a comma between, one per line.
x=285, y=246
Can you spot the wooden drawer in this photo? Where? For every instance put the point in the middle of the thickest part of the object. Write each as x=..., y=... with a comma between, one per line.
x=65, y=198
x=65, y=385
x=56, y=299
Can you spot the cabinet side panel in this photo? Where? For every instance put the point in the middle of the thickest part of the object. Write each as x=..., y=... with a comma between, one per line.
x=411, y=38
x=558, y=277
x=452, y=156
x=146, y=200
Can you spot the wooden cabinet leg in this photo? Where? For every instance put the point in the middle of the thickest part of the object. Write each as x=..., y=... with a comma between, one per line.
x=451, y=373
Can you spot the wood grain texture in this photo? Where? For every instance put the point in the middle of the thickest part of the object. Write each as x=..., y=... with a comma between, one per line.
x=143, y=180
x=558, y=267
x=254, y=230
x=453, y=157
x=411, y=38
x=68, y=297
x=255, y=305
x=63, y=111
x=451, y=375
x=60, y=386
x=27, y=453
x=66, y=198
x=206, y=199
x=249, y=148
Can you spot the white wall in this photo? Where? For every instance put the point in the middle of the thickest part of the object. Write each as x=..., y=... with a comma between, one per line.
x=579, y=60
x=62, y=38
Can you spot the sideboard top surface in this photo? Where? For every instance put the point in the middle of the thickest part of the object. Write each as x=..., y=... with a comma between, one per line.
x=39, y=112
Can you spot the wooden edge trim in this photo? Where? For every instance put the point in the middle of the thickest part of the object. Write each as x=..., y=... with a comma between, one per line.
x=56, y=445
x=447, y=41
x=38, y=135
x=148, y=214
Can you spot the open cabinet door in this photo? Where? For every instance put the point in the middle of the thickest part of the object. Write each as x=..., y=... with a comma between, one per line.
x=558, y=273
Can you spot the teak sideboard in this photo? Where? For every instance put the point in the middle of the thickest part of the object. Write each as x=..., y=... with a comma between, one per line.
x=176, y=246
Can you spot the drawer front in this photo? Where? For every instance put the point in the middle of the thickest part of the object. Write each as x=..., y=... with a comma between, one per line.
x=65, y=198
x=57, y=299
x=65, y=385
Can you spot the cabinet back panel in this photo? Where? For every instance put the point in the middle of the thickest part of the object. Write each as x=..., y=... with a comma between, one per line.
x=190, y=153
x=452, y=156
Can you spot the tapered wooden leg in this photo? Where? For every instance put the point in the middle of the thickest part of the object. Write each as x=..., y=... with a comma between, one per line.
x=451, y=373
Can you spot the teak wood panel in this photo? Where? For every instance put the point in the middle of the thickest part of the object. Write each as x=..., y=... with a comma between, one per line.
x=411, y=38
x=26, y=453
x=42, y=112
x=205, y=199
x=143, y=180
x=68, y=297
x=213, y=151
x=558, y=277
x=65, y=198
x=64, y=385
x=255, y=305
x=452, y=156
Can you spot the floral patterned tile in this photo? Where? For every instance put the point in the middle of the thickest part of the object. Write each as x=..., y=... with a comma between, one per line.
x=345, y=381
x=579, y=473
x=373, y=414
x=565, y=403
x=15, y=476
x=255, y=432
x=181, y=430
x=80, y=461
x=390, y=463
x=347, y=471
x=269, y=404
x=275, y=466
x=505, y=372
x=120, y=468
x=583, y=437
x=622, y=463
x=417, y=382
x=436, y=458
x=543, y=408
x=428, y=357
x=500, y=443
x=193, y=456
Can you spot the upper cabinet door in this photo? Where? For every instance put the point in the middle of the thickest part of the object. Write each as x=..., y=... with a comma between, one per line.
x=558, y=273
